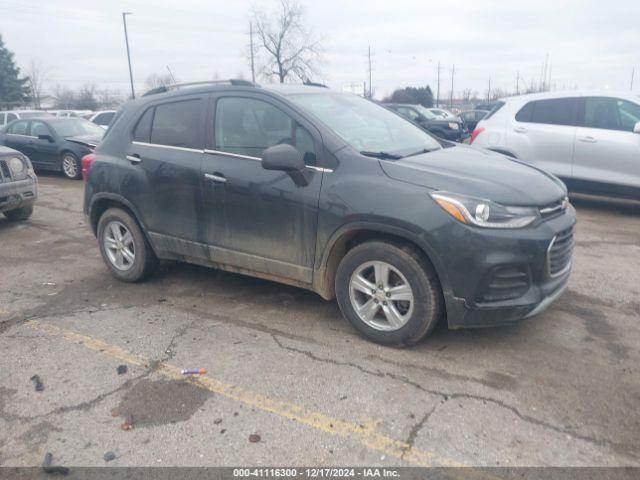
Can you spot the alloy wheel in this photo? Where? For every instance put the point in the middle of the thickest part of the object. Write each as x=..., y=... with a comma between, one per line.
x=118, y=245
x=381, y=296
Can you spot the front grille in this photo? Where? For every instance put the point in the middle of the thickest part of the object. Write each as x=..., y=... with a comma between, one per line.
x=5, y=173
x=506, y=283
x=560, y=250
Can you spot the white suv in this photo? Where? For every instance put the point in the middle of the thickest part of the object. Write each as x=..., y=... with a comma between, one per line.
x=591, y=140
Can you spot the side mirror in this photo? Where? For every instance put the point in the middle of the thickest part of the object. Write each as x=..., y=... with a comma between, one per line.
x=48, y=138
x=287, y=159
x=636, y=128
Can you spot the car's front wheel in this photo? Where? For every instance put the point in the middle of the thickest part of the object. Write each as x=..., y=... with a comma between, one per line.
x=388, y=292
x=71, y=167
x=124, y=247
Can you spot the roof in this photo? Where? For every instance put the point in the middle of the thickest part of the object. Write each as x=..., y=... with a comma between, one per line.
x=573, y=93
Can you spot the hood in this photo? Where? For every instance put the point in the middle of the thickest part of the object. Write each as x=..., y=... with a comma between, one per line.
x=91, y=141
x=442, y=121
x=478, y=173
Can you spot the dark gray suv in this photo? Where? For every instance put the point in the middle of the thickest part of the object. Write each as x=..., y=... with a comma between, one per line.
x=333, y=193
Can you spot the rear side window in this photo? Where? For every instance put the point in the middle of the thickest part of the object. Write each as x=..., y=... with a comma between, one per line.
x=11, y=117
x=177, y=124
x=498, y=106
x=104, y=118
x=18, y=128
x=556, y=111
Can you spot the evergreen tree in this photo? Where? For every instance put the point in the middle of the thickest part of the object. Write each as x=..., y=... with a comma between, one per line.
x=13, y=89
x=414, y=95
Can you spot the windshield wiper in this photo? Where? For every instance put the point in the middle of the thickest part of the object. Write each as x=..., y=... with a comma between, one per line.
x=419, y=152
x=382, y=155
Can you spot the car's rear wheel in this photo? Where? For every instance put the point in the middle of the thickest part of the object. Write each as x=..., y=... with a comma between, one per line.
x=388, y=292
x=19, y=213
x=71, y=167
x=124, y=247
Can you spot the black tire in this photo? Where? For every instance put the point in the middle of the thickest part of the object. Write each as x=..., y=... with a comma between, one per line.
x=427, y=293
x=19, y=213
x=72, y=172
x=145, y=261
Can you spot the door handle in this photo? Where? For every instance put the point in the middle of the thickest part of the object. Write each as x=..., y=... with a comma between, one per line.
x=520, y=130
x=215, y=177
x=587, y=139
x=134, y=159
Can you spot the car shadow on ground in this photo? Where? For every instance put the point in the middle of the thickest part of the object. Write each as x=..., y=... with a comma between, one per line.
x=304, y=306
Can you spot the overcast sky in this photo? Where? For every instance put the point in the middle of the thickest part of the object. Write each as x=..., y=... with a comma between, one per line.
x=590, y=43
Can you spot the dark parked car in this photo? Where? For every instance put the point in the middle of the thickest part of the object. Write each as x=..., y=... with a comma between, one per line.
x=53, y=143
x=18, y=185
x=472, y=117
x=330, y=192
x=448, y=128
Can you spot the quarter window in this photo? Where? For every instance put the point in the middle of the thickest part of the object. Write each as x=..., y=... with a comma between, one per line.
x=177, y=124
x=18, y=128
x=556, y=111
x=610, y=113
x=11, y=117
x=246, y=126
x=142, y=132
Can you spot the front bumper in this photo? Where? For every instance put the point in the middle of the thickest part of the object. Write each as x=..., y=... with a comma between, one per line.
x=470, y=303
x=18, y=194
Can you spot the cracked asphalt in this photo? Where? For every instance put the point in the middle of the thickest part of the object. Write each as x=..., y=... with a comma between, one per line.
x=560, y=389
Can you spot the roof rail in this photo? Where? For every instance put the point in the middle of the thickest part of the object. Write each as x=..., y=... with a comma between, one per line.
x=177, y=86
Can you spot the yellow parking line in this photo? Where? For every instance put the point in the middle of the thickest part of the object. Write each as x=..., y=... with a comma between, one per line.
x=365, y=434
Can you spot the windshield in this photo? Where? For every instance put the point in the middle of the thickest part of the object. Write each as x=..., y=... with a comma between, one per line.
x=73, y=127
x=34, y=114
x=365, y=125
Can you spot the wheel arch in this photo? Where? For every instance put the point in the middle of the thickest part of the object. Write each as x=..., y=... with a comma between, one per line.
x=351, y=235
x=101, y=202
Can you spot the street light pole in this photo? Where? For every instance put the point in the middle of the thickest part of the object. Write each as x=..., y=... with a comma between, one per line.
x=126, y=39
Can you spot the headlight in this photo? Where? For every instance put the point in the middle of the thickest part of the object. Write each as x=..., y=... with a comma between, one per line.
x=484, y=213
x=17, y=166
x=454, y=126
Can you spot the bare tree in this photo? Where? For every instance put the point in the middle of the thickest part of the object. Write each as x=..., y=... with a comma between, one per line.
x=38, y=74
x=286, y=47
x=108, y=99
x=65, y=97
x=155, y=81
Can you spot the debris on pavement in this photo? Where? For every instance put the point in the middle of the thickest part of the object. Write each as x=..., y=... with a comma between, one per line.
x=122, y=369
x=128, y=423
x=108, y=456
x=53, y=469
x=217, y=421
x=254, y=438
x=194, y=371
x=49, y=284
x=37, y=383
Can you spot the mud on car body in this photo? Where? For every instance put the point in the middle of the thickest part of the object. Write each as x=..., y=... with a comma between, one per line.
x=18, y=185
x=333, y=193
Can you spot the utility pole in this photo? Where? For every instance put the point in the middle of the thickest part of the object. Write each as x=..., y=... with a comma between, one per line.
x=453, y=71
x=518, y=82
x=126, y=39
x=633, y=71
x=438, y=90
x=253, y=70
x=369, y=57
x=489, y=91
